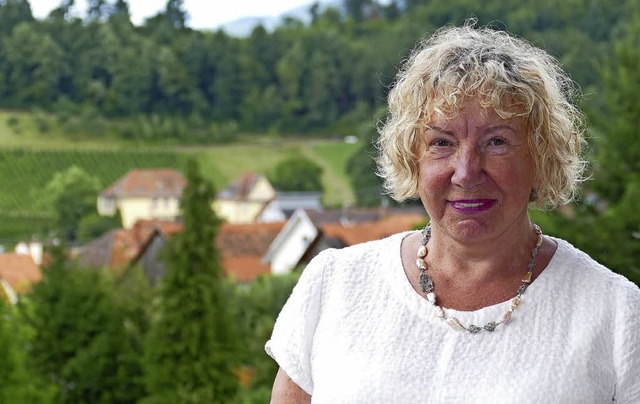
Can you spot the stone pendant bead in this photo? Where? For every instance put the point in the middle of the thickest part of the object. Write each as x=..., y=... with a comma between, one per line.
x=539, y=240
x=506, y=317
x=426, y=283
x=455, y=324
x=527, y=278
x=422, y=251
x=421, y=264
x=515, y=302
x=439, y=312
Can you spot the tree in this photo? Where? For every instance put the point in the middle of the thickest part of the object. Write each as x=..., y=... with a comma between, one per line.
x=297, y=173
x=80, y=340
x=361, y=167
x=72, y=195
x=17, y=385
x=256, y=307
x=192, y=346
x=12, y=13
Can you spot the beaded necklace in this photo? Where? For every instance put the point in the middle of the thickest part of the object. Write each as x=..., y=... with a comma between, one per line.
x=428, y=287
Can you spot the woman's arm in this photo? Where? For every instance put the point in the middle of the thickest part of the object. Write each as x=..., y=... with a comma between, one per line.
x=285, y=391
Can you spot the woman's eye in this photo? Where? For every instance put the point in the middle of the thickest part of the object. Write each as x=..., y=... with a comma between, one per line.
x=496, y=141
x=441, y=143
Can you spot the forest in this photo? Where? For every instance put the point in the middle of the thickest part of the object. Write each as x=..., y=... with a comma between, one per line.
x=85, y=336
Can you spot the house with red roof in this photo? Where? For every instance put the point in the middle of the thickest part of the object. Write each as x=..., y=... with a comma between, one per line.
x=144, y=194
x=18, y=271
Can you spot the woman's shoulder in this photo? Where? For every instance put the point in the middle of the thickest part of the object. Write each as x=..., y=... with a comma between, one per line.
x=384, y=247
x=582, y=268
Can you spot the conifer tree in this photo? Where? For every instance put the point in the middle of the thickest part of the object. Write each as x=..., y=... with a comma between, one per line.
x=79, y=338
x=191, y=345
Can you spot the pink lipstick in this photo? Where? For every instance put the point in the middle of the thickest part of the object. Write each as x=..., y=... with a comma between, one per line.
x=469, y=206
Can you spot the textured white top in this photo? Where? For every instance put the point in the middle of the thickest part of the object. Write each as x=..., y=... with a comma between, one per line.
x=355, y=331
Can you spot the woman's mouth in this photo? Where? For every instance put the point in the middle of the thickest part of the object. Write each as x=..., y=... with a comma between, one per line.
x=472, y=205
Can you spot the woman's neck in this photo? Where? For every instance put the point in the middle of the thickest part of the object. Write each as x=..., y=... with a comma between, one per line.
x=486, y=260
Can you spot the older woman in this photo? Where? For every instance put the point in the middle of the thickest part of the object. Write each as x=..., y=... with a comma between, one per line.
x=480, y=306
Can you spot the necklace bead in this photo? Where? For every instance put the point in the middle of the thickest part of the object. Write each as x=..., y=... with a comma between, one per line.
x=428, y=287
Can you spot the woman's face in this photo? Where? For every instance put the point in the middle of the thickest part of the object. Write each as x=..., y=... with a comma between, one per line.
x=476, y=174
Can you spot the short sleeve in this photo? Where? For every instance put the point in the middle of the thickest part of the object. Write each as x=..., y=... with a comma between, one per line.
x=627, y=347
x=292, y=338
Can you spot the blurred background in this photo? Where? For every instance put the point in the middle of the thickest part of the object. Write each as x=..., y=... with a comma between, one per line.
x=165, y=178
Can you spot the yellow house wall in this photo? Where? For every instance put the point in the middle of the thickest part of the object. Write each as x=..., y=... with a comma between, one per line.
x=238, y=212
x=262, y=191
x=134, y=209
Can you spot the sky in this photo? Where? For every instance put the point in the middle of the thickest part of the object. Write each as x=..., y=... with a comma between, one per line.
x=203, y=14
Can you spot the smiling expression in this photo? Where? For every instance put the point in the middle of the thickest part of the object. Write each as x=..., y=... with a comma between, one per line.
x=476, y=173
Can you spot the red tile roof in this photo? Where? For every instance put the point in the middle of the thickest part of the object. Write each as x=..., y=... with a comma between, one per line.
x=242, y=247
x=241, y=240
x=245, y=269
x=374, y=230
x=162, y=182
x=19, y=271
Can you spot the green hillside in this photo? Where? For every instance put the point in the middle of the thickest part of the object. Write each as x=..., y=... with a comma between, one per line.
x=28, y=165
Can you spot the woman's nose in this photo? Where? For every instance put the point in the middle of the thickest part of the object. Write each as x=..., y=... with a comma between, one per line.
x=468, y=170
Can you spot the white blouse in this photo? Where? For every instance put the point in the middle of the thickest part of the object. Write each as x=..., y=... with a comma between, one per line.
x=355, y=331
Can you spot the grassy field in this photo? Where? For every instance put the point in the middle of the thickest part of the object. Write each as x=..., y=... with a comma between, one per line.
x=29, y=159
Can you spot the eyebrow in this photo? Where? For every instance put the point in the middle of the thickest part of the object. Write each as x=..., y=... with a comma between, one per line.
x=439, y=129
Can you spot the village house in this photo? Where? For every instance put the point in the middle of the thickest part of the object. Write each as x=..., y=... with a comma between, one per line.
x=19, y=270
x=143, y=194
x=244, y=199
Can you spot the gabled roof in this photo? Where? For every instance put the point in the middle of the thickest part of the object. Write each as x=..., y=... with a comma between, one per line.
x=242, y=246
x=387, y=225
x=158, y=183
x=250, y=239
x=19, y=271
x=241, y=187
x=113, y=250
x=117, y=248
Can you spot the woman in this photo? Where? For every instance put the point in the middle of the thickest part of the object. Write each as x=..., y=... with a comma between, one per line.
x=480, y=306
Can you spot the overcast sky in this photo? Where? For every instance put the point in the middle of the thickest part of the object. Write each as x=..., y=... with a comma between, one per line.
x=203, y=14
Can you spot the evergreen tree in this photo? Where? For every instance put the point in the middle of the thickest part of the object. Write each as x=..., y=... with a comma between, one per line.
x=192, y=342
x=16, y=384
x=80, y=342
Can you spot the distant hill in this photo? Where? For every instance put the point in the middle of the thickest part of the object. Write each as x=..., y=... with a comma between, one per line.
x=242, y=27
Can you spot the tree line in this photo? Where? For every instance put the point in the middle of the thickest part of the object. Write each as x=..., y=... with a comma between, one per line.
x=328, y=76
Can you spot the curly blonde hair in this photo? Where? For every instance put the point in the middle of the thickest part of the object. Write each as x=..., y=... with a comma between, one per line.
x=504, y=72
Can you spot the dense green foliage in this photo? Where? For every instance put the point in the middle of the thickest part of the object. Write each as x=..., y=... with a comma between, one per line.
x=192, y=348
x=17, y=384
x=330, y=74
x=93, y=357
x=255, y=308
x=297, y=173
